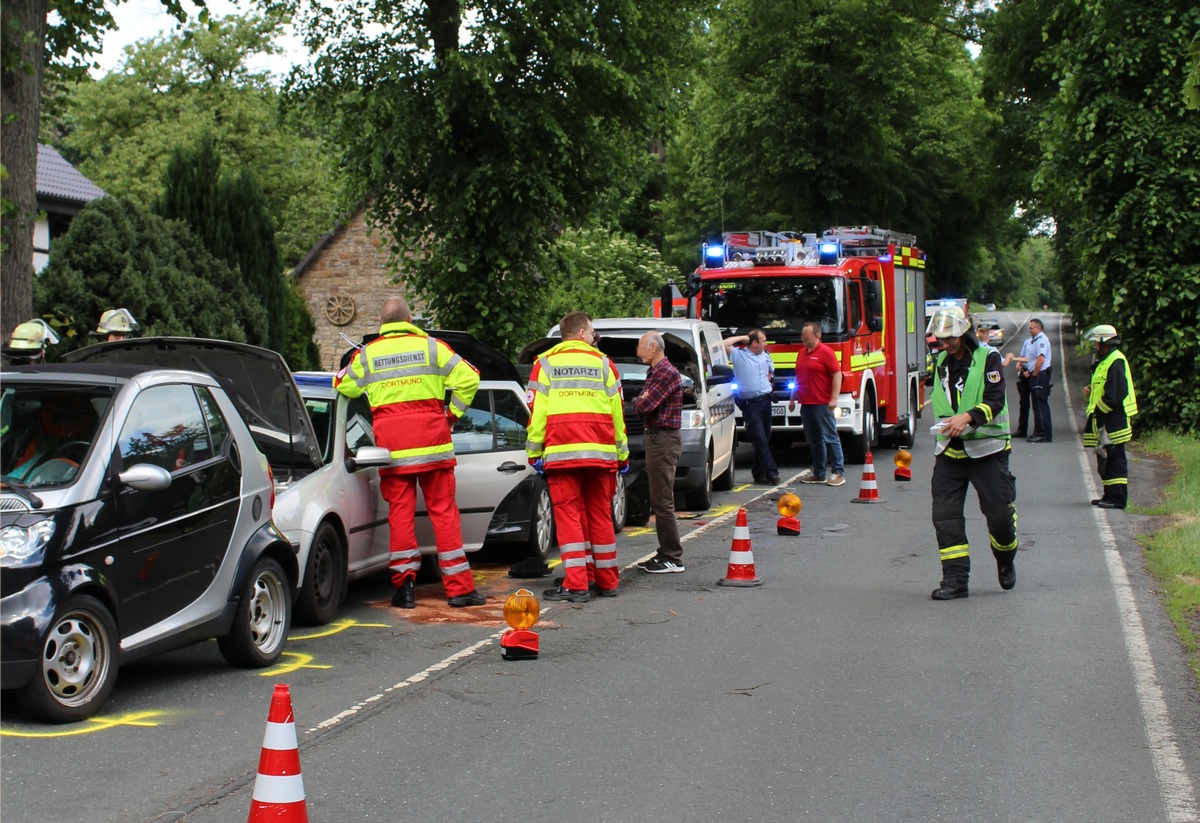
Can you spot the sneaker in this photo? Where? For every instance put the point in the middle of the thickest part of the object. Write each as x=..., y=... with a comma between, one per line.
x=567, y=595
x=809, y=476
x=657, y=566
x=644, y=563
x=471, y=598
x=835, y=479
x=773, y=480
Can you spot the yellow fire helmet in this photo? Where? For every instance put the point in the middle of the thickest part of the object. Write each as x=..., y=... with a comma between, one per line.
x=948, y=322
x=32, y=336
x=1103, y=333
x=117, y=321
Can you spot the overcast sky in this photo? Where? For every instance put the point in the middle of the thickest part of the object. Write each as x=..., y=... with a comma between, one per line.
x=142, y=19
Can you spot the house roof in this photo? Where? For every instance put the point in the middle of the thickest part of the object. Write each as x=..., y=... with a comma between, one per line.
x=59, y=179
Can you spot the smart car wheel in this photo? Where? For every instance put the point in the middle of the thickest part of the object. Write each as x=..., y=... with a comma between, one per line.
x=324, y=578
x=541, y=524
x=260, y=625
x=79, y=663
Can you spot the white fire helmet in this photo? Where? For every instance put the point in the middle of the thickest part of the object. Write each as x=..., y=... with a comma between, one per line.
x=32, y=335
x=117, y=321
x=948, y=322
x=1103, y=333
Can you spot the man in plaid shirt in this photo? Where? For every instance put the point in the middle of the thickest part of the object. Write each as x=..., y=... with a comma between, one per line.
x=661, y=405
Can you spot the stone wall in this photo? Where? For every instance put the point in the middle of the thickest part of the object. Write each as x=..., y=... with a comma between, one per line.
x=345, y=283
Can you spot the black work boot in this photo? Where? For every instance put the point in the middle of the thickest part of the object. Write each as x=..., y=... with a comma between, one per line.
x=404, y=597
x=951, y=588
x=471, y=598
x=1006, y=571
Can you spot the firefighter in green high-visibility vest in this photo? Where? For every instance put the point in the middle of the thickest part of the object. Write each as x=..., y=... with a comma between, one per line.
x=1111, y=403
x=973, y=444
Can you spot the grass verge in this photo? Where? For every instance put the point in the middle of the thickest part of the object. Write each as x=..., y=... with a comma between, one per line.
x=1173, y=553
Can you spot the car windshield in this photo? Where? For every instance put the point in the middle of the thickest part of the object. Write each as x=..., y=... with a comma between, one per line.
x=48, y=431
x=778, y=305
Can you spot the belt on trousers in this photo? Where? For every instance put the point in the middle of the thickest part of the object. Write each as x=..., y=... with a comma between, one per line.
x=756, y=397
x=660, y=429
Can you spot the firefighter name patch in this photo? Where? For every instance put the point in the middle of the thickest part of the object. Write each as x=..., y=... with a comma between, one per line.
x=993, y=377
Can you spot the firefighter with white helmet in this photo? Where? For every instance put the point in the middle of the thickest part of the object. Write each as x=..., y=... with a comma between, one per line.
x=973, y=445
x=1111, y=403
x=116, y=324
x=28, y=343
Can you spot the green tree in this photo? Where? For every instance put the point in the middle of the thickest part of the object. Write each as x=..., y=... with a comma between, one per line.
x=603, y=272
x=1120, y=175
x=822, y=112
x=170, y=91
x=481, y=128
x=228, y=213
x=117, y=253
x=301, y=350
x=35, y=45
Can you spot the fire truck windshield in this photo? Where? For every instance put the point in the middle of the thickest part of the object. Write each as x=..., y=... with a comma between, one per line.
x=778, y=305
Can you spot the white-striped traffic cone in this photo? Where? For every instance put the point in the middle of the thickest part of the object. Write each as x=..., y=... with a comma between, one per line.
x=279, y=788
x=868, y=492
x=741, y=557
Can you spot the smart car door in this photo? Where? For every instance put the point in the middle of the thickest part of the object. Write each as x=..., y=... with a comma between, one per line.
x=174, y=540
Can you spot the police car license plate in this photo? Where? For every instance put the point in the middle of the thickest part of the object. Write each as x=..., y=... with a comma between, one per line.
x=779, y=409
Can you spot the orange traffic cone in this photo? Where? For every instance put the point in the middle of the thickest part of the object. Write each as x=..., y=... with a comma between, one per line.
x=279, y=788
x=741, y=557
x=868, y=492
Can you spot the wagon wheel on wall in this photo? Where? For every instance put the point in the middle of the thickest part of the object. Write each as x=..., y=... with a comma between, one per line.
x=339, y=309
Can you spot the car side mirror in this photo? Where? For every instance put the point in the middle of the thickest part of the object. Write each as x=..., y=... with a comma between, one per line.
x=146, y=477
x=367, y=457
x=720, y=374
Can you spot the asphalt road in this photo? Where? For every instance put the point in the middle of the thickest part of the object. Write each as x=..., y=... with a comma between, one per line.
x=837, y=691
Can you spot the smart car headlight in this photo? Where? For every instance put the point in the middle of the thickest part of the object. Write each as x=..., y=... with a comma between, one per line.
x=25, y=544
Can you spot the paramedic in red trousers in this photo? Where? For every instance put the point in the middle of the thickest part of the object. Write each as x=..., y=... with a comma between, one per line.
x=660, y=405
x=972, y=448
x=577, y=439
x=406, y=374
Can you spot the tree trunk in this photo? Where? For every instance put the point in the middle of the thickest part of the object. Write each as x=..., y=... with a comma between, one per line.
x=23, y=29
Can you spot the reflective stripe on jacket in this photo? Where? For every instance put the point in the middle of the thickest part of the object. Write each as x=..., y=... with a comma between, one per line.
x=405, y=374
x=576, y=409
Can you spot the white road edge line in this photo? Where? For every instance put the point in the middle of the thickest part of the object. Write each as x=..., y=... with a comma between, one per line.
x=475, y=648
x=1178, y=795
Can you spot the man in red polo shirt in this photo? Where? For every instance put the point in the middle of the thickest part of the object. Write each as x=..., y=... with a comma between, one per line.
x=818, y=384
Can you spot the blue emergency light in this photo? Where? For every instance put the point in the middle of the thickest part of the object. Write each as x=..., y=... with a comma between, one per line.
x=791, y=385
x=828, y=254
x=714, y=255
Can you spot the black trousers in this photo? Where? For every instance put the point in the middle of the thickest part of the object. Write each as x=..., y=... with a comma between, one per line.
x=1023, y=405
x=1114, y=473
x=997, y=491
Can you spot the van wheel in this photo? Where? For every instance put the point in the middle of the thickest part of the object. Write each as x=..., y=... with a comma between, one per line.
x=726, y=481
x=324, y=578
x=260, y=624
x=78, y=665
x=701, y=499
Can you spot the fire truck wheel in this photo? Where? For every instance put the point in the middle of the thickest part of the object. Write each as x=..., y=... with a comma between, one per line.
x=856, y=446
x=906, y=433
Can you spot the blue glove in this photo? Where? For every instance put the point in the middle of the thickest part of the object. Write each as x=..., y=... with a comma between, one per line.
x=539, y=466
x=623, y=467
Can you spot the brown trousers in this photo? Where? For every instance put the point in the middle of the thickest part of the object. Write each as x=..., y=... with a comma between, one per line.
x=662, y=456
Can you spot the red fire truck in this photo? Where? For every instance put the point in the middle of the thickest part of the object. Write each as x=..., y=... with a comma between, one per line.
x=863, y=284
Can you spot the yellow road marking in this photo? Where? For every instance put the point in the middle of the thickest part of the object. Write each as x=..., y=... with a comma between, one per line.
x=720, y=510
x=303, y=661
x=337, y=627
x=638, y=532
x=93, y=725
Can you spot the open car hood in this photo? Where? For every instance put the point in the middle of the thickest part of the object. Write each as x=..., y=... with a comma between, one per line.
x=491, y=363
x=257, y=380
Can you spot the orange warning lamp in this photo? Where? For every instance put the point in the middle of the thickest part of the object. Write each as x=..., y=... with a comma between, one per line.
x=521, y=610
x=903, y=460
x=789, y=506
